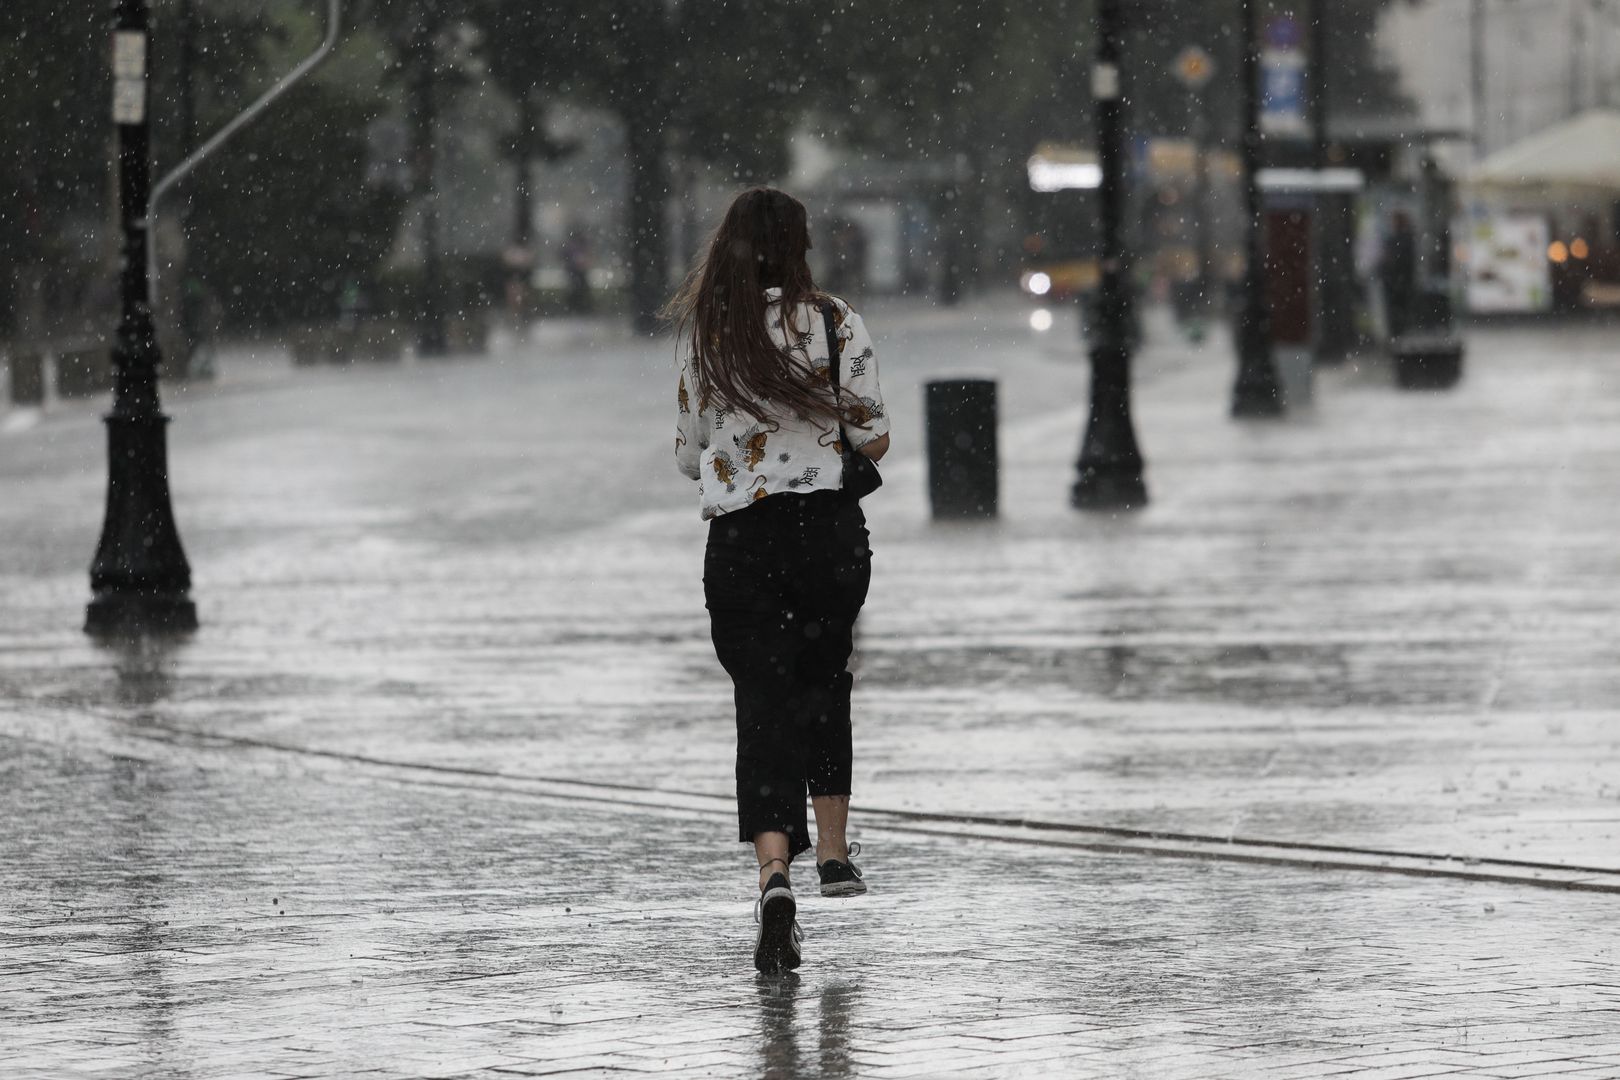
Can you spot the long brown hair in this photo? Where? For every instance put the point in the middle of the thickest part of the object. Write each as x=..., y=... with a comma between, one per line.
x=721, y=308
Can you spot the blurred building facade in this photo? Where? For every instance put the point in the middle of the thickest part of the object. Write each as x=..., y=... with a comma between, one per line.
x=1542, y=61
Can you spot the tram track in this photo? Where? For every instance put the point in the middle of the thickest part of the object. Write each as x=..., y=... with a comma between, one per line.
x=216, y=750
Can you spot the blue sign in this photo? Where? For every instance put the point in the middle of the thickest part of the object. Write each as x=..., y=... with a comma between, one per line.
x=1284, y=32
x=1282, y=79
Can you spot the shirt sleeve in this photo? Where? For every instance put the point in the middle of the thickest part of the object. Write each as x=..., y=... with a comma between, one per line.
x=688, y=433
x=868, y=420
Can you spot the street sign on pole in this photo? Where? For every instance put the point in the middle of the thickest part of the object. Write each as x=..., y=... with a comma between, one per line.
x=1282, y=72
x=129, y=77
x=1194, y=67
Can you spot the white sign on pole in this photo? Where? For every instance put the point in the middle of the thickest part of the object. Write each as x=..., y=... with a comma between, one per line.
x=1105, y=82
x=129, y=101
x=129, y=55
x=129, y=77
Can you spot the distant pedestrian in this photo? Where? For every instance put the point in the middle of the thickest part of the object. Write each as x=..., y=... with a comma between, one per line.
x=576, y=257
x=1397, y=272
x=760, y=427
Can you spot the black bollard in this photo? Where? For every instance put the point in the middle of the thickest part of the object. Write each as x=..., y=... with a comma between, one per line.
x=962, y=460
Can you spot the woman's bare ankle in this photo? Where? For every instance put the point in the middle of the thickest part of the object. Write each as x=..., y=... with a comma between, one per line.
x=771, y=867
x=832, y=827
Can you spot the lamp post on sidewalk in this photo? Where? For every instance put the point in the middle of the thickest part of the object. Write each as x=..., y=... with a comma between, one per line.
x=1256, y=392
x=1316, y=29
x=140, y=578
x=520, y=257
x=1110, y=463
x=1335, y=213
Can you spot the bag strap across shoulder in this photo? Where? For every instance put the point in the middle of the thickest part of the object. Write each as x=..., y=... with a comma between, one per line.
x=834, y=347
x=832, y=344
x=861, y=476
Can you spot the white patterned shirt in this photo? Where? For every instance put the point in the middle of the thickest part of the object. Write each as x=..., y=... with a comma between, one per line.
x=738, y=460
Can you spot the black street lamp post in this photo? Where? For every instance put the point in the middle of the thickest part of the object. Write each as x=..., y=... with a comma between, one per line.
x=1476, y=75
x=1257, y=392
x=520, y=262
x=1208, y=280
x=1335, y=213
x=140, y=578
x=1317, y=29
x=1110, y=463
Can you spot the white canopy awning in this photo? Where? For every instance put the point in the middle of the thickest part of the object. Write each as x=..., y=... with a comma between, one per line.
x=1580, y=152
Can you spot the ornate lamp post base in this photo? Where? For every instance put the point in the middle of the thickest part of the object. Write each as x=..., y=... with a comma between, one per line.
x=1110, y=467
x=130, y=615
x=1252, y=401
x=140, y=578
x=1257, y=394
x=1099, y=490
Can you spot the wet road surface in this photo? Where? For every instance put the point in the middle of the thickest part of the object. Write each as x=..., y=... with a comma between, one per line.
x=441, y=787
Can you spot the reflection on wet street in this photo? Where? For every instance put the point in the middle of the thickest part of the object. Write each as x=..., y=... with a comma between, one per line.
x=783, y=1003
x=442, y=787
x=186, y=921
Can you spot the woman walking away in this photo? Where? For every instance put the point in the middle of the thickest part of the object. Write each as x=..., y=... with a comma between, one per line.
x=762, y=418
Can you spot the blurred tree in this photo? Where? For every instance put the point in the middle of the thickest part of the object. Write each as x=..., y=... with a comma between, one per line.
x=967, y=87
x=532, y=55
x=284, y=220
x=976, y=84
x=282, y=214
x=716, y=79
x=529, y=141
x=54, y=159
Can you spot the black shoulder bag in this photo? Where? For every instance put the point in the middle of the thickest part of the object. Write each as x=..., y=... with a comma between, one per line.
x=861, y=476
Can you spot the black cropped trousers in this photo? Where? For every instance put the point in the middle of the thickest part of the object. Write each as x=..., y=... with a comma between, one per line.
x=784, y=580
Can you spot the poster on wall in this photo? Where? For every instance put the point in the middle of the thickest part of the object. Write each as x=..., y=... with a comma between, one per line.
x=1507, y=264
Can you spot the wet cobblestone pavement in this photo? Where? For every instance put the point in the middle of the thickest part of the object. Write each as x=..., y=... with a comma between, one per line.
x=1299, y=772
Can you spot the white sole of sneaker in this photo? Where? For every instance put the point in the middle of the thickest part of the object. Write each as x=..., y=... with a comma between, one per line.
x=844, y=888
x=775, y=951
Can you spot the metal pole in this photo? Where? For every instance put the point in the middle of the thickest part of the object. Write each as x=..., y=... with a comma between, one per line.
x=140, y=578
x=1209, y=288
x=1607, y=81
x=1110, y=464
x=1575, y=59
x=1256, y=392
x=1319, y=95
x=1333, y=216
x=1476, y=74
x=432, y=340
x=189, y=315
x=523, y=150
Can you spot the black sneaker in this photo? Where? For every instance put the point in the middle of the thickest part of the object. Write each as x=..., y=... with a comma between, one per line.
x=840, y=878
x=776, y=946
